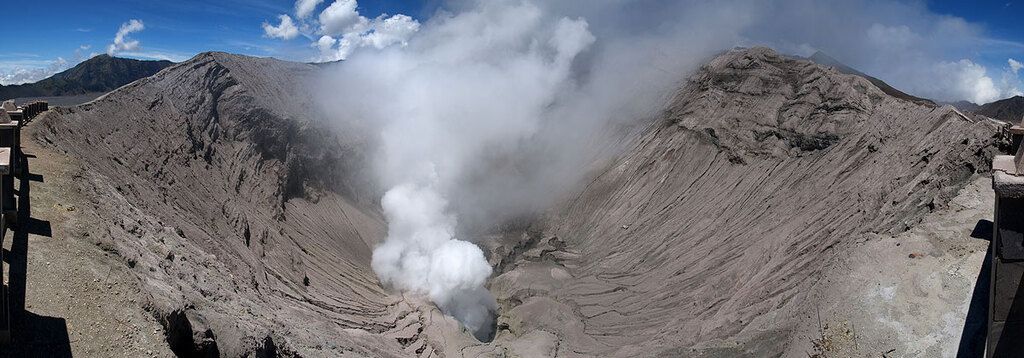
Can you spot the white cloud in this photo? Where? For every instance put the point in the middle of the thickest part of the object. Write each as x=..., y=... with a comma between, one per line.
x=286, y=30
x=158, y=55
x=891, y=36
x=340, y=17
x=341, y=29
x=27, y=69
x=326, y=46
x=304, y=8
x=969, y=81
x=20, y=74
x=1015, y=66
x=342, y=26
x=378, y=33
x=393, y=30
x=902, y=43
x=121, y=42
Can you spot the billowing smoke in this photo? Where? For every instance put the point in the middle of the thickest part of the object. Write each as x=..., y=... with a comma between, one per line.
x=474, y=83
x=422, y=254
x=492, y=110
x=486, y=114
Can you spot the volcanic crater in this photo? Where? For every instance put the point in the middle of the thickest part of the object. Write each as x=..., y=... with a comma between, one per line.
x=247, y=217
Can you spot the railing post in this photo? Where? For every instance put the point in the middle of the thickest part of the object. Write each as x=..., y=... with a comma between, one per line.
x=10, y=137
x=5, y=304
x=1016, y=135
x=1006, y=294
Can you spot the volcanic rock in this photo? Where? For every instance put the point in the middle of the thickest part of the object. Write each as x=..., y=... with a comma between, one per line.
x=226, y=190
x=250, y=220
x=710, y=233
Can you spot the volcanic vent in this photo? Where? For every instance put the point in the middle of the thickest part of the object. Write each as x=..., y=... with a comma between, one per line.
x=247, y=218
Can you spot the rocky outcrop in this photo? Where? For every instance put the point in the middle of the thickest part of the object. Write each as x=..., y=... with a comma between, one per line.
x=189, y=336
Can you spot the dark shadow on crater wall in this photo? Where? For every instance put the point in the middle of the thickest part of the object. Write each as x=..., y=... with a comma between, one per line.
x=32, y=335
x=972, y=340
x=982, y=230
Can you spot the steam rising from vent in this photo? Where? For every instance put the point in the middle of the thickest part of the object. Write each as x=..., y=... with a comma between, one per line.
x=452, y=99
x=487, y=114
x=492, y=109
x=422, y=254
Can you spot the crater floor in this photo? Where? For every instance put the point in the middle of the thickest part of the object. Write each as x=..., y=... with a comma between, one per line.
x=777, y=207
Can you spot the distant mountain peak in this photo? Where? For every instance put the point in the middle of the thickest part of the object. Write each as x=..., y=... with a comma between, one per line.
x=824, y=59
x=101, y=73
x=1009, y=109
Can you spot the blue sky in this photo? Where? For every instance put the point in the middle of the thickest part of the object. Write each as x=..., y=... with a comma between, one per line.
x=48, y=36
x=46, y=32
x=174, y=29
x=1001, y=21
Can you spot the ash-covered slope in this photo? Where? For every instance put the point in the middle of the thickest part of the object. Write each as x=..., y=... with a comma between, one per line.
x=709, y=234
x=247, y=220
x=825, y=60
x=250, y=223
x=965, y=106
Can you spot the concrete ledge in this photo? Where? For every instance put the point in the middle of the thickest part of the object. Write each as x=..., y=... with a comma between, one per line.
x=10, y=136
x=1005, y=180
x=5, y=161
x=16, y=115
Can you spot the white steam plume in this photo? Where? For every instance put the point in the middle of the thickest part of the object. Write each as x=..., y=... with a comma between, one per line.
x=421, y=254
x=438, y=120
x=492, y=109
x=487, y=114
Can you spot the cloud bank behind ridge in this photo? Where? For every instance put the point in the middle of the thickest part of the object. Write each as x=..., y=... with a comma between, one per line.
x=904, y=43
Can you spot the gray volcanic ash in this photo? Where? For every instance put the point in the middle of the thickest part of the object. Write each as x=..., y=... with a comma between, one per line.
x=519, y=179
x=255, y=225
